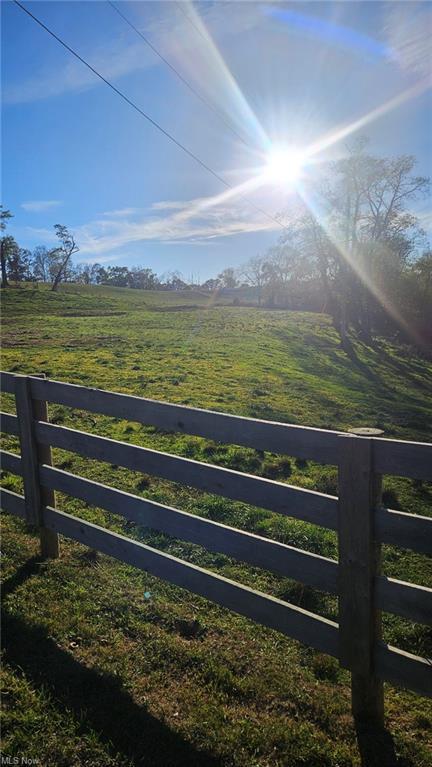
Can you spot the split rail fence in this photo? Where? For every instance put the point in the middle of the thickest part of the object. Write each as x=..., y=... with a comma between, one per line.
x=357, y=515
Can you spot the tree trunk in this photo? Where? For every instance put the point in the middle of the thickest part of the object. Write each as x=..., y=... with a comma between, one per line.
x=4, y=279
x=59, y=274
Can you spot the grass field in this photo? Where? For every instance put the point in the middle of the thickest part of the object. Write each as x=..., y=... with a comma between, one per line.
x=105, y=665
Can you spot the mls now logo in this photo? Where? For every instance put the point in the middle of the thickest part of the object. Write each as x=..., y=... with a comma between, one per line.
x=21, y=760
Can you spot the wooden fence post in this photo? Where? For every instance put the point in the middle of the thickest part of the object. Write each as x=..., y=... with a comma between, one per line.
x=32, y=454
x=359, y=563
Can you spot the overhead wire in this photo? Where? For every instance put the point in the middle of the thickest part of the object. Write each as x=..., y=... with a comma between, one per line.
x=147, y=117
x=186, y=82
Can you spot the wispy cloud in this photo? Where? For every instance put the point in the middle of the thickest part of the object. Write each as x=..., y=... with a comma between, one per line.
x=39, y=206
x=171, y=222
x=408, y=28
x=114, y=60
x=121, y=212
x=170, y=205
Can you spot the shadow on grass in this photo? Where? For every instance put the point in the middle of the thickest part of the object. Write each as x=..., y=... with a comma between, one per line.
x=29, y=568
x=98, y=701
x=406, y=367
x=377, y=748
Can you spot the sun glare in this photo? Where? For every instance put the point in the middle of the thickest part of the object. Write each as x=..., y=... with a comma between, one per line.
x=284, y=166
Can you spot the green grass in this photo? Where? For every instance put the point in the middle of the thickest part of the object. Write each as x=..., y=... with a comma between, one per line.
x=96, y=672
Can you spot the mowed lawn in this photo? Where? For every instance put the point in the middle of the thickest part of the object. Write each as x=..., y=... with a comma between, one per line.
x=106, y=665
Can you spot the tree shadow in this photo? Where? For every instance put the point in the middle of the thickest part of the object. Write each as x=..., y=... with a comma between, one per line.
x=367, y=371
x=98, y=700
x=405, y=367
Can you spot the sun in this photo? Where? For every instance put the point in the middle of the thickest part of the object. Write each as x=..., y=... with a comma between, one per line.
x=284, y=166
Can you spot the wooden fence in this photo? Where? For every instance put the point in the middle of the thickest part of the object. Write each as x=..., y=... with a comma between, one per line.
x=359, y=518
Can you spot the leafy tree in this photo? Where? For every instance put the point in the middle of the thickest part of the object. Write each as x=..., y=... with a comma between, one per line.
x=364, y=241
x=228, y=278
x=211, y=285
x=20, y=265
x=142, y=278
x=6, y=245
x=9, y=255
x=173, y=281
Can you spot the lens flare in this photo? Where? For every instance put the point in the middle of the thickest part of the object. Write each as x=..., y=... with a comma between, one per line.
x=284, y=166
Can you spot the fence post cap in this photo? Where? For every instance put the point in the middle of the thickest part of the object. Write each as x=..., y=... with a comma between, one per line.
x=366, y=431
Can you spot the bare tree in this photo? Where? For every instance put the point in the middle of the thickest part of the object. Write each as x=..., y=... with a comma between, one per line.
x=44, y=263
x=255, y=274
x=67, y=249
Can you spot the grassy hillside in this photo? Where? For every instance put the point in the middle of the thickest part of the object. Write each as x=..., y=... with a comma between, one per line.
x=104, y=664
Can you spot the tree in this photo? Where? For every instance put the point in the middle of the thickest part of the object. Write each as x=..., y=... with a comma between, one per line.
x=86, y=273
x=67, y=248
x=143, y=278
x=255, y=273
x=362, y=242
x=212, y=285
x=44, y=262
x=6, y=243
x=228, y=278
x=173, y=281
x=118, y=276
x=19, y=265
x=9, y=254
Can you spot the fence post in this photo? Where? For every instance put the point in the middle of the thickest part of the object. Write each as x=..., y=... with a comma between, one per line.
x=32, y=453
x=359, y=563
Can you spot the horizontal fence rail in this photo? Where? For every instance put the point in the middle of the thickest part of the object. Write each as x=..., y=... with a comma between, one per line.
x=284, y=499
x=404, y=599
x=360, y=461
x=311, y=569
x=392, y=664
x=392, y=527
x=9, y=424
x=407, y=459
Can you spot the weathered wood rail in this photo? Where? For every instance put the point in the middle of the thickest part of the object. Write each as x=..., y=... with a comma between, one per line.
x=357, y=515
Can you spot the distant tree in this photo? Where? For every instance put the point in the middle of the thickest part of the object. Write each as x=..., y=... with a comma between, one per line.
x=9, y=252
x=65, y=252
x=255, y=273
x=6, y=244
x=44, y=263
x=173, y=281
x=212, y=285
x=228, y=278
x=143, y=278
x=93, y=272
x=86, y=273
x=20, y=265
x=117, y=276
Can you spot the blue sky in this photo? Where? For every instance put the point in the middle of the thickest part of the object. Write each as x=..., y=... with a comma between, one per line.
x=290, y=73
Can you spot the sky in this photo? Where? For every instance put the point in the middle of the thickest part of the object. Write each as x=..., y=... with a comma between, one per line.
x=267, y=75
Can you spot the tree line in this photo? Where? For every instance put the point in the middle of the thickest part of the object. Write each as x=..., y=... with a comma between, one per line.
x=55, y=265
x=355, y=251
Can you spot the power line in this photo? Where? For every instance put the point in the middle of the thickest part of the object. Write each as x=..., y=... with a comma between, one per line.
x=180, y=76
x=144, y=114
